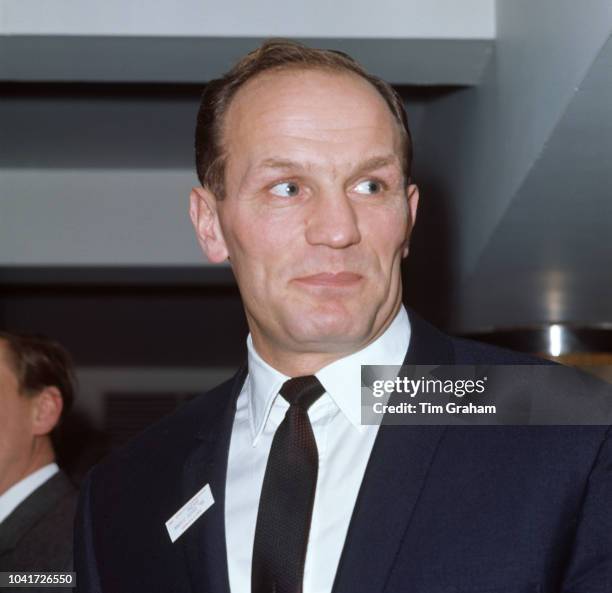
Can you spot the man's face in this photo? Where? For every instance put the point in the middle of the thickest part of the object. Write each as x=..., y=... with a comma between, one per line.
x=15, y=419
x=316, y=217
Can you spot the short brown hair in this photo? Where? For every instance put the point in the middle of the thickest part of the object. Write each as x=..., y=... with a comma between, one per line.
x=276, y=54
x=40, y=362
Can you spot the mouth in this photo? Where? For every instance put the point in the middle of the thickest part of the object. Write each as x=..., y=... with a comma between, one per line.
x=337, y=280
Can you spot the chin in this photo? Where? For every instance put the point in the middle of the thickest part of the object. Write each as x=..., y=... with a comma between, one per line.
x=335, y=326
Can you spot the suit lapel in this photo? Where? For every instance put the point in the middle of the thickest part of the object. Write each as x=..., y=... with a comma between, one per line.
x=204, y=541
x=393, y=480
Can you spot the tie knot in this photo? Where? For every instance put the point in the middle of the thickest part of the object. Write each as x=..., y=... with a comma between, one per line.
x=302, y=391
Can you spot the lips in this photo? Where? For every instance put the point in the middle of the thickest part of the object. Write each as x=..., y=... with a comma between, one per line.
x=339, y=279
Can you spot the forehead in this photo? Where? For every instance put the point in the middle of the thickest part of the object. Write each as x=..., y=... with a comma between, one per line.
x=308, y=114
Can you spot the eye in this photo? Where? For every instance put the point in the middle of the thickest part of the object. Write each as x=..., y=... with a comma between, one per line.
x=286, y=189
x=370, y=186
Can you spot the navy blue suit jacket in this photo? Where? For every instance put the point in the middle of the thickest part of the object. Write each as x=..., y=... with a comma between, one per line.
x=484, y=509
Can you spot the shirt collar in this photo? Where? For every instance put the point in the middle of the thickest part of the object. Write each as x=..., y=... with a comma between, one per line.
x=341, y=378
x=264, y=383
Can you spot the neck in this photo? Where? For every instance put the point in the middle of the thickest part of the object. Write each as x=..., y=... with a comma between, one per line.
x=305, y=363
x=40, y=454
x=295, y=362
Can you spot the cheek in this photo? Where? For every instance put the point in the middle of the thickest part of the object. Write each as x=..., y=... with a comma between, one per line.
x=262, y=253
x=385, y=231
x=14, y=425
x=254, y=229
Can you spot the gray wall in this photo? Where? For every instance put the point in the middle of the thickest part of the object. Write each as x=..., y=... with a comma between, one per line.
x=95, y=174
x=234, y=18
x=481, y=146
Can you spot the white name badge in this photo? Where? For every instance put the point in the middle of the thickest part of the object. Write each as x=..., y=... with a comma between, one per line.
x=186, y=516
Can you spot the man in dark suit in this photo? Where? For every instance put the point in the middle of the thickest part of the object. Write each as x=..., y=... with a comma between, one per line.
x=37, y=500
x=270, y=483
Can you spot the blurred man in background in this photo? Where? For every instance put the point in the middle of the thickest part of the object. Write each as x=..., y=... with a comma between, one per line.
x=37, y=500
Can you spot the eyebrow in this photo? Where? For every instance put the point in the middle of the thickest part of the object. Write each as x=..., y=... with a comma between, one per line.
x=375, y=162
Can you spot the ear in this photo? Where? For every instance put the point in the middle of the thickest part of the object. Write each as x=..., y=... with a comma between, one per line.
x=46, y=411
x=205, y=219
x=412, y=195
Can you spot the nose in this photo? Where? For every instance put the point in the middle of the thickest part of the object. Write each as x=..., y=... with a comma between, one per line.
x=332, y=220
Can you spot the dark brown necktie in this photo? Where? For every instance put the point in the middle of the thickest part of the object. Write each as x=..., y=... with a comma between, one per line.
x=287, y=495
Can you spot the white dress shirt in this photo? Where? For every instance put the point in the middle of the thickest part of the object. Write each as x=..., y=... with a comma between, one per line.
x=344, y=446
x=18, y=492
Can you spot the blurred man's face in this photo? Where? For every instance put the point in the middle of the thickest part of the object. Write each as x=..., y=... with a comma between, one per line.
x=316, y=217
x=15, y=420
x=26, y=422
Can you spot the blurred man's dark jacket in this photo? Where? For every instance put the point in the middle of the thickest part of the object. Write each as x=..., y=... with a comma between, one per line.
x=37, y=535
